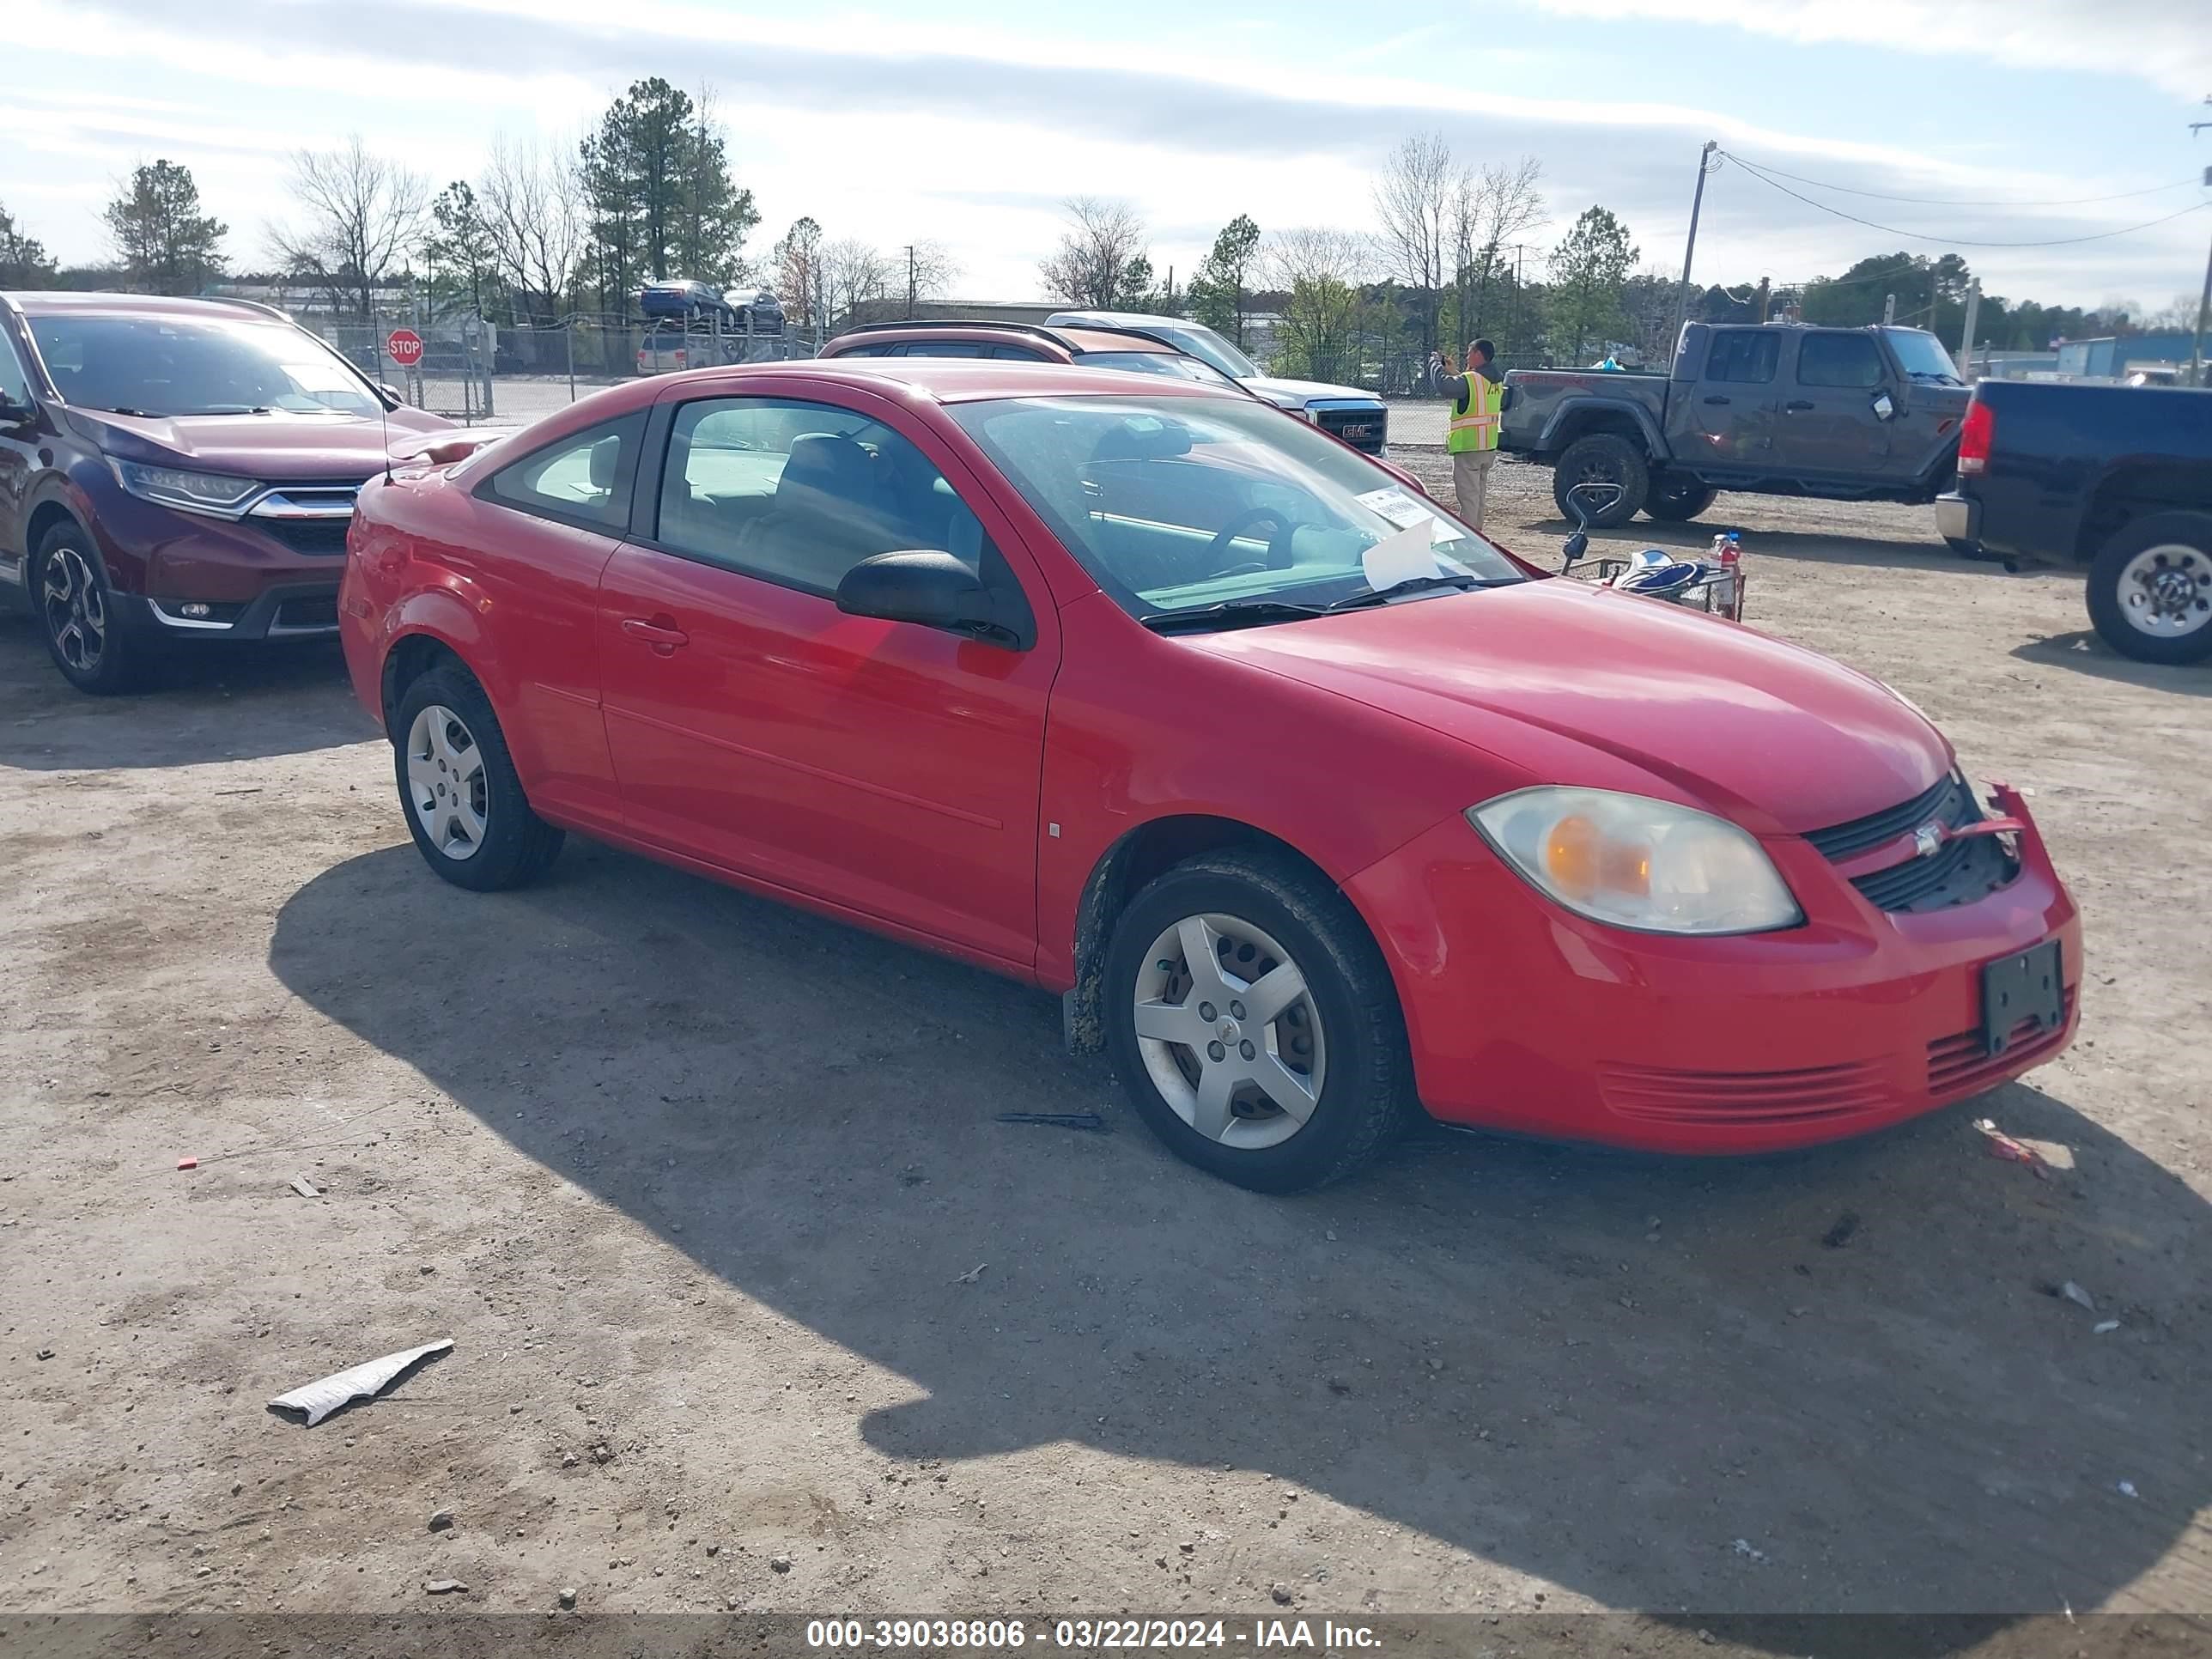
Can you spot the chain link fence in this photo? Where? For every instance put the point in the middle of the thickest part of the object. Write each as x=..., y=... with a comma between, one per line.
x=473, y=370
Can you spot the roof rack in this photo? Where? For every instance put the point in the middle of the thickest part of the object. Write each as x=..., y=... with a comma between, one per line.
x=1057, y=333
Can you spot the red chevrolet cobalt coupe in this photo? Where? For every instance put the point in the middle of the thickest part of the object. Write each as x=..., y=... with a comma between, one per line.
x=1315, y=808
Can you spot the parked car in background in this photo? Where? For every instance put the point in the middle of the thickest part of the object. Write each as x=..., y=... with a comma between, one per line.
x=1774, y=408
x=1360, y=418
x=175, y=472
x=1128, y=349
x=2114, y=478
x=1316, y=807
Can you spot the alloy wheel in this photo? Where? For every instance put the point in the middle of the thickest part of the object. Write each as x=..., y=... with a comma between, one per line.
x=2166, y=591
x=1229, y=1032
x=74, y=609
x=446, y=785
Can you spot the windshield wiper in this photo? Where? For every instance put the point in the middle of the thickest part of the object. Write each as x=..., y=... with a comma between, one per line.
x=1230, y=613
x=1411, y=585
x=119, y=409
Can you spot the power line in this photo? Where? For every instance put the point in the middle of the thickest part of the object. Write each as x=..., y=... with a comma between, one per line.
x=1961, y=241
x=1946, y=201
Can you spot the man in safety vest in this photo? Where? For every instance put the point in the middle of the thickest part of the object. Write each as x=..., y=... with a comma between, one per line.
x=1479, y=397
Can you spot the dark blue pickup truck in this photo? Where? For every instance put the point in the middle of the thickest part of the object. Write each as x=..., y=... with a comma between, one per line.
x=2115, y=477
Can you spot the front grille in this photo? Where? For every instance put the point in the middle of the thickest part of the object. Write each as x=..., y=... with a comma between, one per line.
x=306, y=613
x=1959, y=872
x=1720, y=1099
x=321, y=537
x=1963, y=1065
x=1939, y=801
x=1363, y=429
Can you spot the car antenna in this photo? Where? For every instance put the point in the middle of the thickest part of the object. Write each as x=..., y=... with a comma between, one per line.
x=383, y=416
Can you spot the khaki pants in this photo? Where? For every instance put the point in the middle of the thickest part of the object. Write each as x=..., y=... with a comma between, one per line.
x=1471, y=482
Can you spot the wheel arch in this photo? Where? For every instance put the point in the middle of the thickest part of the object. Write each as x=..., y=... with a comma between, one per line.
x=1121, y=873
x=411, y=656
x=1587, y=417
x=2135, y=489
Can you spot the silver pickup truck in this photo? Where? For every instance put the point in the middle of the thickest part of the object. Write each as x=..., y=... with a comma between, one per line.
x=1846, y=414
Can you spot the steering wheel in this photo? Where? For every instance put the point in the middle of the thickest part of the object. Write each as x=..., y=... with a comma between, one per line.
x=1279, y=544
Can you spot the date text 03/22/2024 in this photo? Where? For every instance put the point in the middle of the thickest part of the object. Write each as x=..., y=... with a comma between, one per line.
x=1086, y=1635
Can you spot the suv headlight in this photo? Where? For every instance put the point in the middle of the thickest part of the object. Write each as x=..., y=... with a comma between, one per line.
x=203, y=492
x=1632, y=862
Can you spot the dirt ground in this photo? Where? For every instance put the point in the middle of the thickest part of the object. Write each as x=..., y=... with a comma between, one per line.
x=755, y=1305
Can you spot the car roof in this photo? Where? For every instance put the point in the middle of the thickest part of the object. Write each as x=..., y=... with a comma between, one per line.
x=56, y=302
x=1131, y=319
x=1068, y=336
x=955, y=379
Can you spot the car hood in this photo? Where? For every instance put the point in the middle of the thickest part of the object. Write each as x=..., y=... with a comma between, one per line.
x=1296, y=394
x=1572, y=683
x=281, y=447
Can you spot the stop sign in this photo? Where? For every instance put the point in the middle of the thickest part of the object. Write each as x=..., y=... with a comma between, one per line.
x=404, y=347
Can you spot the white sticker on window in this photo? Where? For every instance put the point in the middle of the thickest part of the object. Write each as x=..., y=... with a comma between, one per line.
x=1395, y=505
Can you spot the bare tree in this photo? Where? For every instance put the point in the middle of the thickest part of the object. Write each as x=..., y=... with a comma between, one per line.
x=362, y=213
x=1320, y=271
x=852, y=273
x=931, y=269
x=1415, y=194
x=532, y=204
x=1098, y=254
x=1492, y=210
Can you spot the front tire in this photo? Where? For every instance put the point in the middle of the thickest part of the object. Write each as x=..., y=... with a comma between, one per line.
x=1254, y=1023
x=78, y=619
x=1678, y=500
x=2150, y=588
x=457, y=785
x=1603, y=457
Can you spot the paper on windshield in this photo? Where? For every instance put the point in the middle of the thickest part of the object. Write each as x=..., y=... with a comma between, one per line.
x=1400, y=558
x=1406, y=511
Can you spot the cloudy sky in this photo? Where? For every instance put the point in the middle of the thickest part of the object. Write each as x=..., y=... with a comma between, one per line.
x=2010, y=121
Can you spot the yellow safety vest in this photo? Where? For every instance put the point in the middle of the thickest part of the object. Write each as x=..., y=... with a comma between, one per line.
x=1476, y=426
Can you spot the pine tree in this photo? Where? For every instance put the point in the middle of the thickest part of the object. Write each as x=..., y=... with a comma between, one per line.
x=162, y=240
x=1588, y=268
x=1217, y=292
x=23, y=261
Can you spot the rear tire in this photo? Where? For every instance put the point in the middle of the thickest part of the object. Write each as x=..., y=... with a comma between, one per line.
x=1334, y=1048
x=74, y=605
x=1678, y=500
x=459, y=789
x=1602, y=458
x=2150, y=588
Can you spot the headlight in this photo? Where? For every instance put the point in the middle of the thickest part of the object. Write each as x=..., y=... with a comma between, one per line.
x=1635, y=863
x=206, y=492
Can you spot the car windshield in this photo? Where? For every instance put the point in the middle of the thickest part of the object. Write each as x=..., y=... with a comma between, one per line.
x=1922, y=356
x=1158, y=362
x=1178, y=504
x=1205, y=345
x=185, y=366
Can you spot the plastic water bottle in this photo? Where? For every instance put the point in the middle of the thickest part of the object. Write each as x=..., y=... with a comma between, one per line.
x=1728, y=549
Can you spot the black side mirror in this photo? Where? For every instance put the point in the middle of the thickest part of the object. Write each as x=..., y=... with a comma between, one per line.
x=1884, y=406
x=13, y=413
x=932, y=588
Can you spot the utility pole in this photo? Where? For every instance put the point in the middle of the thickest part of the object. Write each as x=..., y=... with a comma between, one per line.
x=2204, y=304
x=909, y=283
x=1966, y=336
x=1689, y=248
x=1888, y=309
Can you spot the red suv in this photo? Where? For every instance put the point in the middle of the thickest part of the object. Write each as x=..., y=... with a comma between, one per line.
x=1316, y=807
x=175, y=471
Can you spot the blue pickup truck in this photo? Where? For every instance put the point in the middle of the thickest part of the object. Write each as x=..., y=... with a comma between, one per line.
x=2115, y=478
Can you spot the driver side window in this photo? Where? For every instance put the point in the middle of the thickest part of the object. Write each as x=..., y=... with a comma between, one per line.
x=14, y=384
x=797, y=493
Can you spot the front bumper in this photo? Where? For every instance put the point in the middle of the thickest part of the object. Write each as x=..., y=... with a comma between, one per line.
x=1526, y=1018
x=1958, y=519
x=292, y=611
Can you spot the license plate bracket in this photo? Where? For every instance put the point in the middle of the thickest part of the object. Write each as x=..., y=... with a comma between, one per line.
x=2029, y=986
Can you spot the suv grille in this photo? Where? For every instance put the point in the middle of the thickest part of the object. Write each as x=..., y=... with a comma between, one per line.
x=1957, y=872
x=308, y=518
x=318, y=536
x=1363, y=429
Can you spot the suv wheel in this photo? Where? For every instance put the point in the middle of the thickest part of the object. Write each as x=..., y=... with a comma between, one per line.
x=2150, y=588
x=1255, y=1024
x=465, y=805
x=1678, y=499
x=1603, y=457
x=77, y=618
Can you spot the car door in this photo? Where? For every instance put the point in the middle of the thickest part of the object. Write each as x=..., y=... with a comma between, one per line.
x=1736, y=399
x=887, y=769
x=1832, y=424
x=18, y=446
